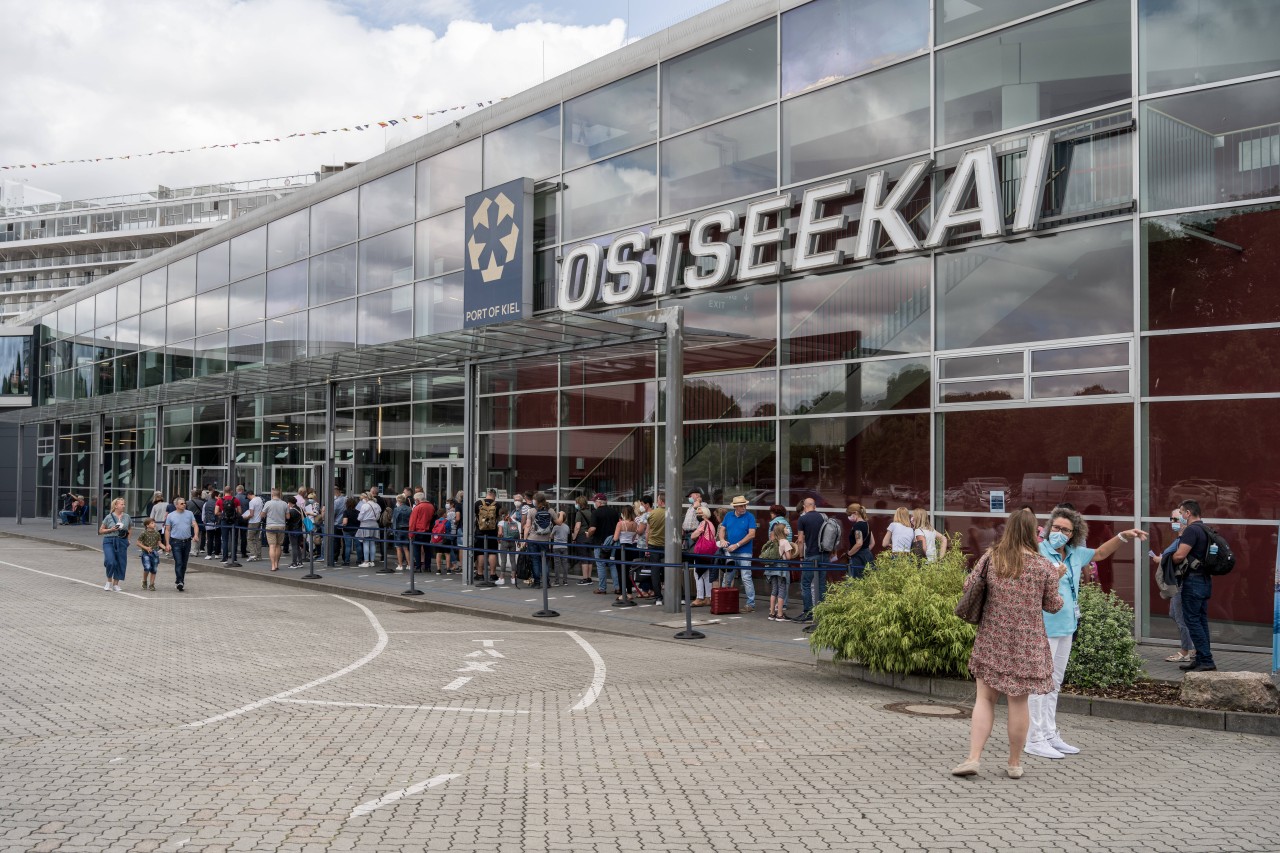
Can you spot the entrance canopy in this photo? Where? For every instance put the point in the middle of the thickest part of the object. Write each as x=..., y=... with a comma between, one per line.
x=544, y=336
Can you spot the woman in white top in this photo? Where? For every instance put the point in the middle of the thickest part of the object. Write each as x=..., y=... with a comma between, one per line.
x=900, y=533
x=624, y=534
x=367, y=534
x=935, y=544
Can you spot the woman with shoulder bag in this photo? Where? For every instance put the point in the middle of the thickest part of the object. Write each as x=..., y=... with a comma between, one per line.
x=114, y=531
x=1011, y=651
x=704, y=550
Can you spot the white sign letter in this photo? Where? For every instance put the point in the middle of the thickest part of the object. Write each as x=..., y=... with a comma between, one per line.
x=666, y=235
x=1034, y=168
x=719, y=254
x=811, y=226
x=978, y=164
x=631, y=268
x=886, y=214
x=754, y=237
x=589, y=255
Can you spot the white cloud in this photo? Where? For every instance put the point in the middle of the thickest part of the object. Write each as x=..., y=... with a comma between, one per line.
x=86, y=78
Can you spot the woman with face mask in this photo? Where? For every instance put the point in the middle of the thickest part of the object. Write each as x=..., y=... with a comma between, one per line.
x=1187, y=650
x=1064, y=546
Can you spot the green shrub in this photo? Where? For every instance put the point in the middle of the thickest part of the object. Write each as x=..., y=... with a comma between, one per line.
x=900, y=617
x=1104, y=653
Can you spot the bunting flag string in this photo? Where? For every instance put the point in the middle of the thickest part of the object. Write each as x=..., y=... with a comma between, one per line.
x=355, y=128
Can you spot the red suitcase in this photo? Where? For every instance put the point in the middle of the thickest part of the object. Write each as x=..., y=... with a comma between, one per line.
x=724, y=599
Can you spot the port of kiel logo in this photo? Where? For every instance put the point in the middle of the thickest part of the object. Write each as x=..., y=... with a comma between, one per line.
x=495, y=237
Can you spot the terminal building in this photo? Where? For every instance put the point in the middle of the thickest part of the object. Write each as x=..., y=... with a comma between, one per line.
x=963, y=255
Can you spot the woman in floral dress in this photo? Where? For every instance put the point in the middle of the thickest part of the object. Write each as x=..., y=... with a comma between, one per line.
x=1011, y=652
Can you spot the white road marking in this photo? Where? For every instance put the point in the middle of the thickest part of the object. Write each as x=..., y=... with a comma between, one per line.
x=476, y=666
x=253, y=706
x=488, y=644
x=456, y=683
x=479, y=653
x=388, y=799
x=597, y=679
x=447, y=708
x=525, y=631
x=65, y=578
x=218, y=597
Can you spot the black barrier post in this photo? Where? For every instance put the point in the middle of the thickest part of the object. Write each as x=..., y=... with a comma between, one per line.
x=546, y=611
x=311, y=575
x=385, y=570
x=624, y=576
x=688, y=633
x=413, y=587
x=483, y=555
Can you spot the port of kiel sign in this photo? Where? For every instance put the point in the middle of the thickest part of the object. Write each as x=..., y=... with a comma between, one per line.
x=497, y=284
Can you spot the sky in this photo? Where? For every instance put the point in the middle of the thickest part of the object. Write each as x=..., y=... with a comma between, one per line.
x=98, y=78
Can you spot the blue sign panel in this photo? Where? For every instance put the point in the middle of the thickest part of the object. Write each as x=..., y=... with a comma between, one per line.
x=497, y=286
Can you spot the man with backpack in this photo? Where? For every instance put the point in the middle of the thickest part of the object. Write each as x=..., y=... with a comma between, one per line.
x=421, y=521
x=486, y=539
x=1201, y=553
x=737, y=532
x=818, y=540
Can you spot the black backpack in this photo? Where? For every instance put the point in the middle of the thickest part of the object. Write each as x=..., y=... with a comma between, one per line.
x=1218, y=560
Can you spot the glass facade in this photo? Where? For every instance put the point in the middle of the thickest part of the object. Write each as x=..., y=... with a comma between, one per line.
x=1082, y=359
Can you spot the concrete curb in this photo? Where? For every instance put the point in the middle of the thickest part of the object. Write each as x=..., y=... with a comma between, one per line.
x=959, y=690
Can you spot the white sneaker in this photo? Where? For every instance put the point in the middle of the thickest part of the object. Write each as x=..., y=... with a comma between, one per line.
x=1042, y=749
x=250, y=558
x=1062, y=746
x=499, y=582
x=115, y=588
x=107, y=586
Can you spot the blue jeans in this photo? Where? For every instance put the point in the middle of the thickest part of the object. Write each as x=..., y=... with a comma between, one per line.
x=607, y=569
x=348, y=544
x=69, y=517
x=181, y=553
x=807, y=582
x=749, y=585
x=537, y=552
x=115, y=556
x=1196, y=591
x=150, y=562
x=421, y=551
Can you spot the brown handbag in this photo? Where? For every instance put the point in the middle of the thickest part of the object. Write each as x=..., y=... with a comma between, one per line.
x=969, y=607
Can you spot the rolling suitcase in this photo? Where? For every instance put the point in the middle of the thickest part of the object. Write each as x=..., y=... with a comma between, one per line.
x=724, y=600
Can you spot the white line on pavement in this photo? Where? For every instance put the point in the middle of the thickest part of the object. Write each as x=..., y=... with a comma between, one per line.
x=212, y=597
x=388, y=799
x=526, y=631
x=457, y=682
x=597, y=679
x=447, y=708
x=65, y=578
x=253, y=706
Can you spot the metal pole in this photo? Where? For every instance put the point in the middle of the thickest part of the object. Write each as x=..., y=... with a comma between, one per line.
x=330, y=471
x=545, y=557
x=688, y=633
x=57, y=460
x=99, y=469
x=674, y=478
x=231, y=481
x=22, y=460
x=313, y=574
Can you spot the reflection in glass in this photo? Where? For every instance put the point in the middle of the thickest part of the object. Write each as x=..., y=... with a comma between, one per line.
x=151, y=328
x=386, y=202
x=386, y=260
x=437, y=305
x=730, y=396
x=521, y=461
x=835, y=460
x=973, y=366
x=386, y=316
x=1059, y=64
x=617, y=463
x=127, y=331
x=287, y=239
x=1210, y=147
x=439, y=244
x=728, y=160
x=1246, y=361
x=724, y=77
x=1080, y=358
x=249, y=254
x=994, y=449
x=1080, y=384
x=521, y=375
x=1238, y=245
x=213, y=266
x=610, y=404
x=440, y=416
x=529, y=148
x=15, y=366
x=182, y=320
x=446, y=179
x=333, y=275
x=247, y=300
x=868, y=120
x=960, y=18
x=828, y=40
x=182, y=278
x=244, y=346
x=727, y=458
x=211, y=354
x=127, y=298
x=878, y=310
x=750, y=313
x=612, y=118
x=286, y=338
x=1066, y=285
x=332, y=328
x=867, y=386
x=333, y=222
x=1189, y=42
x=153, y=291
x=287, y=289
x=518, y=411
x=152, y=368
x=981, y=391
x=611, y=195
x=126, y=378
x=211, y=312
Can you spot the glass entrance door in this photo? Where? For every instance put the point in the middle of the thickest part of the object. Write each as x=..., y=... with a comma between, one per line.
x=289, y=478
x=251, y=476
x=441, y=479
x=213, y=477
x=177, y=481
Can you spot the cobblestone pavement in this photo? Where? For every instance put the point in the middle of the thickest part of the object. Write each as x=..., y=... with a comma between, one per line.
x=248, y=716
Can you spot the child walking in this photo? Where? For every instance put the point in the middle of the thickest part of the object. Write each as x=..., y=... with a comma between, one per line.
x=560, y=550
x=777, y=548
x=149, y=542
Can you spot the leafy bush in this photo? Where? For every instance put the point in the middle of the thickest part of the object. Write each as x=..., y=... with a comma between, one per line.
x=1104, y=653
x=900, y=617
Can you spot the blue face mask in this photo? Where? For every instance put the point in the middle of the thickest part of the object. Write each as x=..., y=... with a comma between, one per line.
x=1057, y=540
x=1176, y=525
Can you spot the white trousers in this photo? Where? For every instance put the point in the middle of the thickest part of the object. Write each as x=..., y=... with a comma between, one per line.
x=1043, y=707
